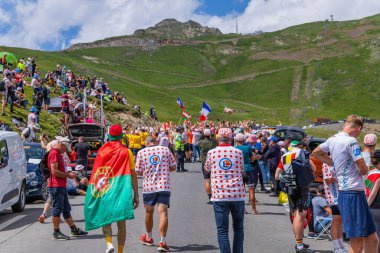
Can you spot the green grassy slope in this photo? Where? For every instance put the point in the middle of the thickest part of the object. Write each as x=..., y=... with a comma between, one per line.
x=338, y=64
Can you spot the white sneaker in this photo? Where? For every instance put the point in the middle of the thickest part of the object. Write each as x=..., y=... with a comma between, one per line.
x=110, y=249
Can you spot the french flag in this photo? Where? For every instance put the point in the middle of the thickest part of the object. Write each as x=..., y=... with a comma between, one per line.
x=206, y=109
x=179, y=102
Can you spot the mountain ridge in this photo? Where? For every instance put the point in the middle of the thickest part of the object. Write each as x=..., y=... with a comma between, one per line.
x=166, y=32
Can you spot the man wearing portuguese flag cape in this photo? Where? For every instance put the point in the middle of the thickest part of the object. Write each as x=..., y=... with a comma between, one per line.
x=112, y=193
x=372, y=188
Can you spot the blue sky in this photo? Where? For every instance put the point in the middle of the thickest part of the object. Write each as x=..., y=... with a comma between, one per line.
x=57, y=24
x=222, y=7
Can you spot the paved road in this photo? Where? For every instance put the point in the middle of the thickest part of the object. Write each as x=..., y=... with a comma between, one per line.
x=191, y=226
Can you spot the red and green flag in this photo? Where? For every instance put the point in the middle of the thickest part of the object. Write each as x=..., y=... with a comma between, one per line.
x=373, y=175
x=109, y=196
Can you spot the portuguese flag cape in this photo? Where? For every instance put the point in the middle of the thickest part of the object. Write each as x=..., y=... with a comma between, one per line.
x=373, y=175
x=109, y=196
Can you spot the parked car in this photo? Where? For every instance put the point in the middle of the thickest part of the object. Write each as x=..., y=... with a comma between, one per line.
x=36, y=185
x=12, y=172
x=93, y=134
x=295, y=133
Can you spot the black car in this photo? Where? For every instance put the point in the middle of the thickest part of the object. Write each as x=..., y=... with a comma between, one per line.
x=36, y=185
x=294, y=133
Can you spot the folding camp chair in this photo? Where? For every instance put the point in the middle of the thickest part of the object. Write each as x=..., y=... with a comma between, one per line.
x=325, y=226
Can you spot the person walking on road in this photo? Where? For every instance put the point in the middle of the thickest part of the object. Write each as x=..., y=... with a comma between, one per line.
x=112, y=194
x=179, y=147
x=299, y=197
x=272, y=158
x=228, y=193
x=58, y=192
x=350, y=168
x=206, y=145
x=249, y=177
x=155, y=163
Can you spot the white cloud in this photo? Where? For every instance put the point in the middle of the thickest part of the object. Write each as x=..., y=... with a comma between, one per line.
x=34, y=23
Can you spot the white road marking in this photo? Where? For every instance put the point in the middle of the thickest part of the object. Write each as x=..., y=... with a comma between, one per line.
x=11, y=221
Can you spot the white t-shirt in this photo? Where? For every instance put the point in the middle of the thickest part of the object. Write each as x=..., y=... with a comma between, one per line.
x=226, y=165
x=154, y=163
x=345, y=151
x=367, y=158
x=32, y=119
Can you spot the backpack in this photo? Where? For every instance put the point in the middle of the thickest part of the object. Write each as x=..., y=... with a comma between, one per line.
x=2, y=85
x=43, y=166
x=302, y=170
x=27, y=133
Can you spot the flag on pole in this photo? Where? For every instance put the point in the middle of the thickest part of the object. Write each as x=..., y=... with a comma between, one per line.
x=186, y=115
x=205, y=111
x=111, y=182
x=179, y=102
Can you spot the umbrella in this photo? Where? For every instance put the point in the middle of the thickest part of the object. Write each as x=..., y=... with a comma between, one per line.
x=11, y=58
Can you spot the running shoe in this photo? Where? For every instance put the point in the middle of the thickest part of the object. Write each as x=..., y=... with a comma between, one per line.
x=60, y=236
x=78, y=232
x=163, y=247
x=145, y=240
x=306, y=246
x=110, y=249
x=184, y=170
x=42, y=217
x=338, y=251
x=304, y=250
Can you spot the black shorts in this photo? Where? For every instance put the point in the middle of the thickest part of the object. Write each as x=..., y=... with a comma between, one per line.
x=205, y=174
x=151, y=199
x=188, y=147
x=335, y=210
x=299, y=199
x=249, y=178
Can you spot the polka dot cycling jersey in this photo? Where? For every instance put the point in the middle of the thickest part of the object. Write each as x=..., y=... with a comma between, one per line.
x=226, y=165
x=154, y=163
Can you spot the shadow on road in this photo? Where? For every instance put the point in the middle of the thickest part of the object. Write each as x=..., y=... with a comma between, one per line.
x=193, y=248
x=271, y=213
x=29, y=216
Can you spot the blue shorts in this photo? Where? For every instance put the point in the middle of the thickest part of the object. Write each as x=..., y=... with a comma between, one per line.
x=356, y=215
x=60, y=202
x=151, y=199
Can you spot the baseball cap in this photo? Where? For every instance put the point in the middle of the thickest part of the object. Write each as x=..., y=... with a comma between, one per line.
x=207, y=132
x=273, y=138
x=225, y=133
x=240, y=137
x=252, y=138
x=281, y=144
x=370, y=139
x=115, y=133
x=294, y=143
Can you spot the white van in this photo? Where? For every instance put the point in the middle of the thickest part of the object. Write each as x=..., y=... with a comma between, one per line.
x=12, y=172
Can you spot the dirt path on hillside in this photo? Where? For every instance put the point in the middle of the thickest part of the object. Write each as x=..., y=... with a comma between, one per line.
x=228, y=80
x=296, y=84
x=249, y=104
x=163, y=72
x=309, y=82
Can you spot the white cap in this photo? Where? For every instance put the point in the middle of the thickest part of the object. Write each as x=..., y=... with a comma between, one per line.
x=207, y=132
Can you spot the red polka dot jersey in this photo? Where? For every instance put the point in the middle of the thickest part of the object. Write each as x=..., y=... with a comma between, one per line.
x=154, y=163
x=226, y=165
